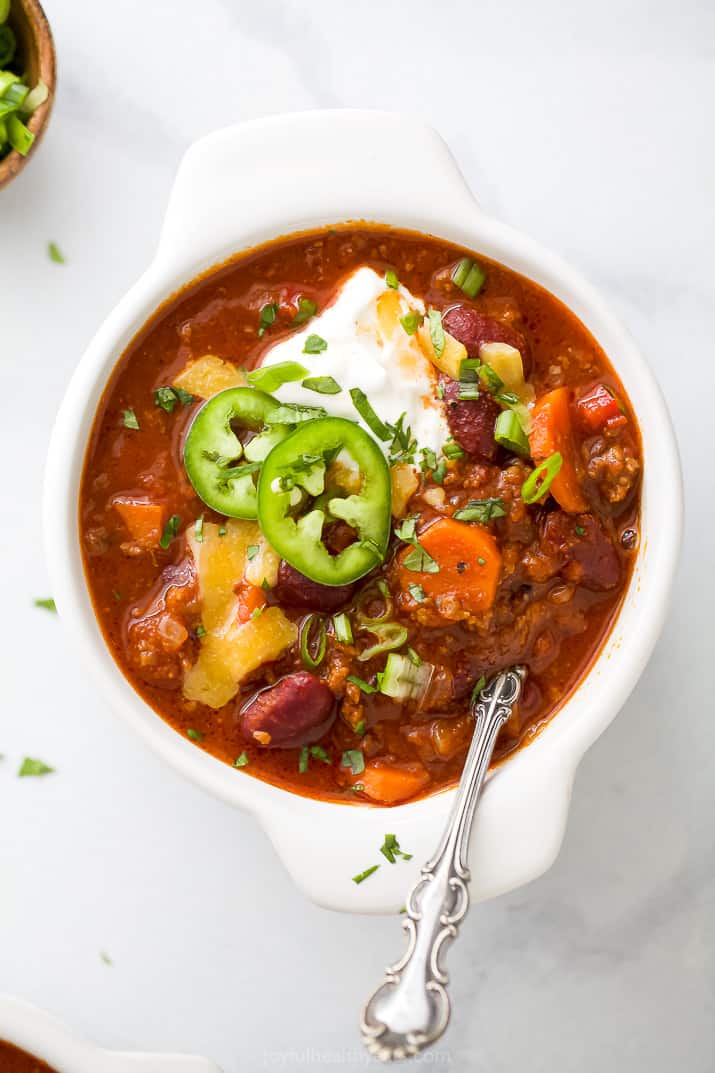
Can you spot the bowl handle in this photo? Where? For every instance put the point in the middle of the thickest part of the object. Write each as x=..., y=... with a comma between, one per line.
x=257, y=180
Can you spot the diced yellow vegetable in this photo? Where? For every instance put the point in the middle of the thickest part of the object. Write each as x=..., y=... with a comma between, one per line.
x=506, y=362
x=452, y=356
x=230, y=649
x=264, y=564
x=221, y=564
x=404, y=484
x=225, y=659
x=389, y=311
x=206, y=376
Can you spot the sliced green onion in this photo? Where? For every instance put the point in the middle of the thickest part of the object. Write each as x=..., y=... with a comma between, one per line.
x=269, y=378
x=7, y=78
x=129, y=419
x=468, y=392
x=373, y=422
x=478, y=687
x=362, y=876
x=342, y=628
x=491, y=380
x=469, y=277
x=170, y=531
x=452, y=450
x=414, y=657
x=314, y=344
x=15, y=95
x=324, y=385
x=367, y=595
x=391, y=279
x=8, y=44
x=481, y=510
x=47, y=603
x=469, y=370
x=412, y=321
x=35, y=98
x=436, y=331
x=199, y=530
x=241, y=760
x=195, y=735
x=303, y=759
x=354, y=759
x=539, y=480
x=318, y=753
x=391, y=635
x=402, y=680
x=312, y=649
x=268, y=316
x=509, y=433
x=252, y=551
x=306, y=309
x=200, y=630
x=360, y=728
x=19, y=136
x=416, y=592
x=32, y=766
x=362, y=685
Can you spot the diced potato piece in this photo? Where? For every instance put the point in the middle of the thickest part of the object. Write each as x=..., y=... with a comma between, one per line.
x=404, y=484
x=225, y=659
x=220, y=564
x=450, y=359
x=143, y=518
x=264, y=564
x=206, y=376
x=389, y=311
x=506, y=362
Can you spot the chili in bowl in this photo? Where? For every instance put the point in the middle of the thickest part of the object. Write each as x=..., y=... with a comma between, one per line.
x=336, y=481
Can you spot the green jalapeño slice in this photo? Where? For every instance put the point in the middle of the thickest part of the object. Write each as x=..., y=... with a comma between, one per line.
x=327, y=470
x=221, y=464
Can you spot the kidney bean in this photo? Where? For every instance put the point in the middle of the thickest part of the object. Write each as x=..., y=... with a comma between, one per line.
x=472, y=328
x=296, y=590
x=471, y=421
x=586, y=550
x=297, y=710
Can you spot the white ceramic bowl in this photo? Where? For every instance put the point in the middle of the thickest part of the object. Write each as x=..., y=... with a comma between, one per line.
x=242, y=186
x=41, y=1035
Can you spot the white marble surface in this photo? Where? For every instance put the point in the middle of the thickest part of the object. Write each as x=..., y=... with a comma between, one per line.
x=588, y=125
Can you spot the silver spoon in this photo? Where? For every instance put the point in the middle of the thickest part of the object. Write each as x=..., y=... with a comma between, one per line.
x=410, y=1009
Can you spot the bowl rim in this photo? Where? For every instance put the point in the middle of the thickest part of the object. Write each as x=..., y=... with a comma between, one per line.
x=44, y=1036
x=560, y=746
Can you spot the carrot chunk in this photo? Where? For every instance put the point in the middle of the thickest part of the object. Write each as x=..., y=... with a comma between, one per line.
x=390, y=781
x=551, y=431
x=143, y=518
x=469, y=565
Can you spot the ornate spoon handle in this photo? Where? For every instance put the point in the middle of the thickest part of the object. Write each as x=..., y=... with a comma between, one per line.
x=410, y=1009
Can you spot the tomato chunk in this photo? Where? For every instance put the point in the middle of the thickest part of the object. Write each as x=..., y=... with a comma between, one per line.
x=596, y=408
x=552, y=431
x=250, y=599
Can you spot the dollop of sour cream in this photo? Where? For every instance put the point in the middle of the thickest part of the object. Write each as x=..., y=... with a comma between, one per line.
x=368, y=348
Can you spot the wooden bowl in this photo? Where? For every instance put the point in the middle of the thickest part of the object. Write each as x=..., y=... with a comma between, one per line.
x=36, y=51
